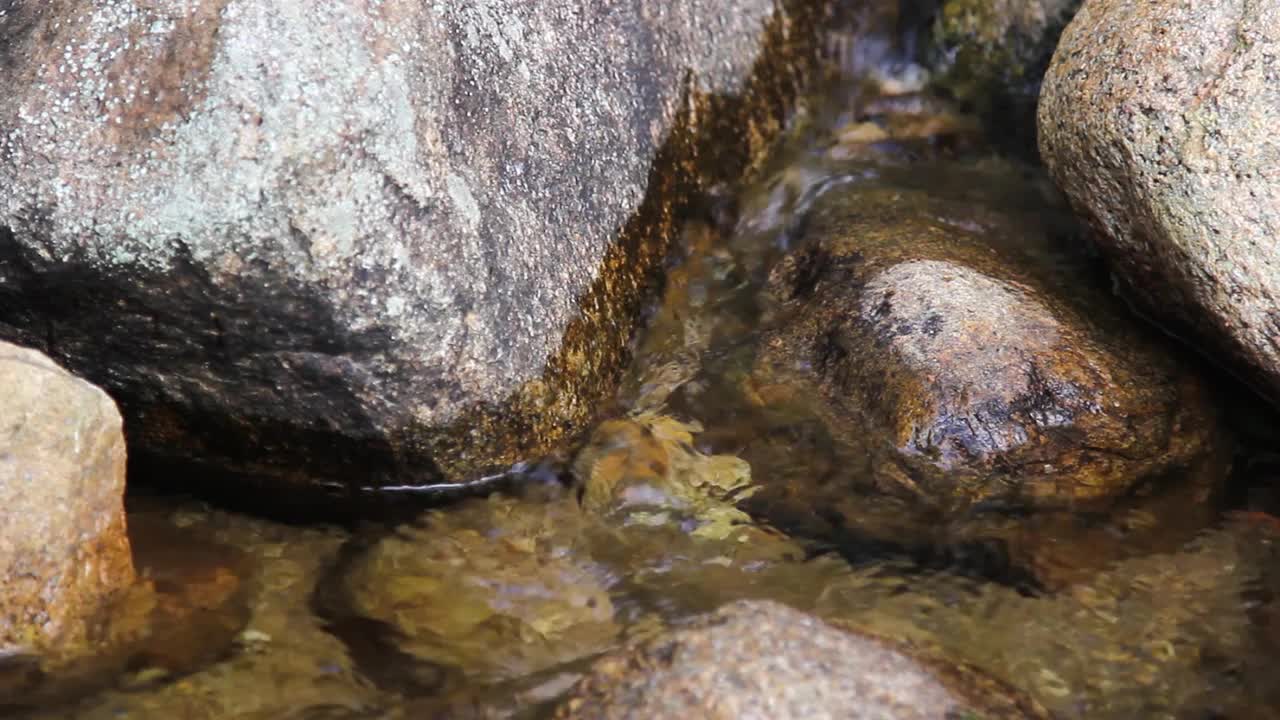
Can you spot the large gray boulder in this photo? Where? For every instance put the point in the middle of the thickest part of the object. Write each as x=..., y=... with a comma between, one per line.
x=64, y=555
x=1161, y=121
x=370, y=241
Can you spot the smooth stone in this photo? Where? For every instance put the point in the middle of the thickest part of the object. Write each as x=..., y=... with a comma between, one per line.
x=760, y=659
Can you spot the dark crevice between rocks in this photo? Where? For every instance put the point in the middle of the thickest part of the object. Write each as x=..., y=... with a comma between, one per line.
x=171, y=443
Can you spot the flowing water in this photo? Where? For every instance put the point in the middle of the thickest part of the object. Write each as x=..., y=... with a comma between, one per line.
x=1162, y=606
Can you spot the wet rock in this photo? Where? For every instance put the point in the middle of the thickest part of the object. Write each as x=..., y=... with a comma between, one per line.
x=762, y=660
x=666, y=521
x=184, y=613
x=956, y=370
x=360, y=243
x=64, y=555
x=196, y=658
x=1161, y=122
x=993, y=54
x=648, y=462
x=514, y=591
x=498, y=589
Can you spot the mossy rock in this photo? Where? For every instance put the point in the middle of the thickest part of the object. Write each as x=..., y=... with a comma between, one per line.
x=992, y=55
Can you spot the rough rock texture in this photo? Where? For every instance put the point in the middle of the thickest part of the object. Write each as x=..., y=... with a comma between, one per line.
x=938, y=344
x=1161, y=122
x=755, y=659
x=63, y=549
x=993, y=54
x=374, y=241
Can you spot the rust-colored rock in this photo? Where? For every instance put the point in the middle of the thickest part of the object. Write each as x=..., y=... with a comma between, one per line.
x=935, y=342
x=63, y=549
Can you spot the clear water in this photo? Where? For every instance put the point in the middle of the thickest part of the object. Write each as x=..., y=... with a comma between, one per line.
x=1167, y=607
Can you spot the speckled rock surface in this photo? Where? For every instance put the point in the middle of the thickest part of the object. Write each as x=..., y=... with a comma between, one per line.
x=366, y=242
x=755, y=659
x=937, y=342
x=1161, y=122
x=63, y=550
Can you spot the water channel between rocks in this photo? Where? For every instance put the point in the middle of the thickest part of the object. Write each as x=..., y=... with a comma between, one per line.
x=722, y=482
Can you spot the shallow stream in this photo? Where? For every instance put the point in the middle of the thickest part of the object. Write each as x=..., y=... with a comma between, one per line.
x=1163, y=605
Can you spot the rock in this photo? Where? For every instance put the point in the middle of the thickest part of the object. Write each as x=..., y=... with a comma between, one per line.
x=368, y=243
x=64, y=555
x=755, y=659
x=648, y=461
x=936, y=341
x=496, y=589
x=993, y=54
x=511, y=591
x=1161, y=122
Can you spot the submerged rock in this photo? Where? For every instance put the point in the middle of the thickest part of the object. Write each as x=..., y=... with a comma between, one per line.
x=64, y=556
x=959, y=372
x=765, y=660
x=1161, y=122
x=1174, y=634
x=498, y=589
x=648, y=462
x=929, y=339
x=666, y=521
x=361, y=242
x=506, y=589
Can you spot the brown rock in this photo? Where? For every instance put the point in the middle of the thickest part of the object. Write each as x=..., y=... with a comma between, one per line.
x=755, y=659
x=927, y=335
x=1161, y=122
x=496, y=588
x=63, y=550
